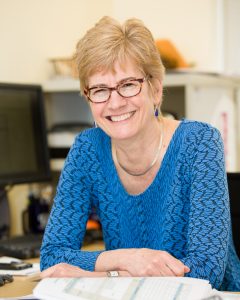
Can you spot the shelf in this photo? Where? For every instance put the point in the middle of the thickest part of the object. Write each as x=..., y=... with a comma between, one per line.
x=61, y=84
x=178, y=78
x=198, y=79
x=207, y=97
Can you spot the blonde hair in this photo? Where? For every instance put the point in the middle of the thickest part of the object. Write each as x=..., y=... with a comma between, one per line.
x=109, y=41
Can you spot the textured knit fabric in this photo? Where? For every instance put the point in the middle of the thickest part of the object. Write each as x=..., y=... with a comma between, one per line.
x=185, y=211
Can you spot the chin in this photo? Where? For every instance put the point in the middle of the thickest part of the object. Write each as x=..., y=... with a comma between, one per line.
x=122, y=134
x=120, y=130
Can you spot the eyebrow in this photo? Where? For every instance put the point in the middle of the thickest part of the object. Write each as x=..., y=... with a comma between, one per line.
x=105, y=85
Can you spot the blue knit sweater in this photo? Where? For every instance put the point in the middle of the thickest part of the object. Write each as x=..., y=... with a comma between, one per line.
x=185, y=211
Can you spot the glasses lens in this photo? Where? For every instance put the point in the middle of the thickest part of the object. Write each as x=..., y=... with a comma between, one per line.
x=99, y=94
x=129, y=88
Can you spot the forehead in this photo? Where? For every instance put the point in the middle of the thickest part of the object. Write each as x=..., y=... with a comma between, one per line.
x=118, y=72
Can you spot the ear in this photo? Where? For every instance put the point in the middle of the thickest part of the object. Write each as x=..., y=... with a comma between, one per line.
x=157, y=92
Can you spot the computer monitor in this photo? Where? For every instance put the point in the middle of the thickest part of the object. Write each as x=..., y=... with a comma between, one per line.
x=23, y=142
x=234, y=195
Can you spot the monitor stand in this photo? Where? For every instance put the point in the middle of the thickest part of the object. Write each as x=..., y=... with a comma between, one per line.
x=4, y=214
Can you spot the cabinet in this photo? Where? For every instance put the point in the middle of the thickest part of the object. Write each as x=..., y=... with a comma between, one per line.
x=209, y=98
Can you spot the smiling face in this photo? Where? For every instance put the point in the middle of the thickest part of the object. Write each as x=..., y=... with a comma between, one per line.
x=124, y=118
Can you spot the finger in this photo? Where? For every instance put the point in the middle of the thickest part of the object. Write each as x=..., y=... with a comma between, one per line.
x=186, y=269
x=179, y=268
x=124, y=274
x=70, y=271
x=47, y=273
x=64, y=270
x=155, y=270
x=175, y=265
x=167, y=271
x=163, y=270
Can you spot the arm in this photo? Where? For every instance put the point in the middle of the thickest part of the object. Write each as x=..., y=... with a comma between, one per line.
x=141, y=262
x=209, y=219
x=66, y=270
x=67, y=222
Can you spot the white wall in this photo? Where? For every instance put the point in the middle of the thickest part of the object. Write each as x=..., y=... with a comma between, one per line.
x=232, y=37
x=33, y=31
x=191, y=25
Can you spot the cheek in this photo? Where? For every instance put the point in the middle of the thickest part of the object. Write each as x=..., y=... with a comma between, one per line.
x=149, y=97
x=149, y=103
x=154, y=96
x=96, y=110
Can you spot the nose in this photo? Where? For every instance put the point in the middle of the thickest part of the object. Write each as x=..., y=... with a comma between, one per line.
x=116, y=101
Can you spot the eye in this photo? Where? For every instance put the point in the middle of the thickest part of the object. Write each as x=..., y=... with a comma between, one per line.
x=129, y=85
x=98, y=91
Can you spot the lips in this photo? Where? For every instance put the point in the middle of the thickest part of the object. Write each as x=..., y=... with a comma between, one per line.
x=122, y=117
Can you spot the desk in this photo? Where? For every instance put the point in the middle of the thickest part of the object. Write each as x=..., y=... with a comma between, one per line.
x=21, y=286
x=24, y=285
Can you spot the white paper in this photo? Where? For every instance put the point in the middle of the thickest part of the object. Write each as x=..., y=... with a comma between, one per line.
x=25, y=272
x=128, y=288
x=8, y=259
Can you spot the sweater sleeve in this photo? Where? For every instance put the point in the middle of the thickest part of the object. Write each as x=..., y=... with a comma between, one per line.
x=67, y=222
x=209, y=219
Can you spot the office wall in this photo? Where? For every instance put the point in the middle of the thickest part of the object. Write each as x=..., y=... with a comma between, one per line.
x=232, y=36
x=193, y=26
x=33, y=31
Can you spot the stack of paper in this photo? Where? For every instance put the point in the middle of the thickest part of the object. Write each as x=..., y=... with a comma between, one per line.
x=134, y=288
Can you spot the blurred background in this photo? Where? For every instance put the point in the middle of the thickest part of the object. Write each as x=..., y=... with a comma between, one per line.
x=38, y=38
x=205, y=32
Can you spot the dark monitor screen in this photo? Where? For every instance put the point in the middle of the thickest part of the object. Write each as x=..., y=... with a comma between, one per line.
x=23, y=142
x=234, y=195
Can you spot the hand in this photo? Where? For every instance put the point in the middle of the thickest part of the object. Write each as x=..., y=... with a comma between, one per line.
x=66, y=270
x=147, y=262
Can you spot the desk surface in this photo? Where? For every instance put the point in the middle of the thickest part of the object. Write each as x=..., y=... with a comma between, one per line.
x=21, y=286
x=24, y=285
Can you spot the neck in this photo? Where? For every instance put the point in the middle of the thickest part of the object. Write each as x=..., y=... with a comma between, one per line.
x=148, y=138
x=138, y=156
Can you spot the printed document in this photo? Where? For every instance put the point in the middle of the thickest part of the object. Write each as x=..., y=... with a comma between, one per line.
x=124, y=288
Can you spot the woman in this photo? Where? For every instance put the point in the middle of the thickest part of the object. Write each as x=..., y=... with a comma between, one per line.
x=159, y=185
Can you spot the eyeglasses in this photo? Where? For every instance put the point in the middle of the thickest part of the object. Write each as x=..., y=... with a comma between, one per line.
x=128, y=88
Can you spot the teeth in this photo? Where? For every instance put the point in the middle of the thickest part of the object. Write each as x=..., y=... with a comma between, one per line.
x=121, y=117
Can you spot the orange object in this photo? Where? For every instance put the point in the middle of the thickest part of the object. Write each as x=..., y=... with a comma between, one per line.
x=92, y=224
x=170, y=55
